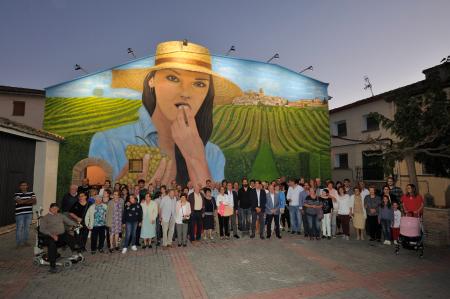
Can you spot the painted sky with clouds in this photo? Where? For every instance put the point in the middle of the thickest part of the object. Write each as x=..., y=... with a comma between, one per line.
x=249, y=75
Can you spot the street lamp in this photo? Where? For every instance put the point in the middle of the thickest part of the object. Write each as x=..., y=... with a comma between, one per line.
x=310, y=68
x=232, y=49
x=131, y=51
x=275, y=56
x=78, y=67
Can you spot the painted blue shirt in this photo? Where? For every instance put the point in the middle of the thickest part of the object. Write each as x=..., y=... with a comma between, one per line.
x=110, y=145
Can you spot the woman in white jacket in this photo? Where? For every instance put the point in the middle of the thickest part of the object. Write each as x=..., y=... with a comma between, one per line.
x=149, y=215
x=359, y=213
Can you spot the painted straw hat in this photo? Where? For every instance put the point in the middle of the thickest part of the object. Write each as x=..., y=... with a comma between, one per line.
x=178, y=55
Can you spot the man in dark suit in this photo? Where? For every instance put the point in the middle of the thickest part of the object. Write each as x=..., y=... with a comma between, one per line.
x=258, y=200
x=197, y=202
x=234, y=220
x=272, y=212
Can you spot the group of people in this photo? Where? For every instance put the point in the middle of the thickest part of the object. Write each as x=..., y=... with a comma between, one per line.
x=155, y=214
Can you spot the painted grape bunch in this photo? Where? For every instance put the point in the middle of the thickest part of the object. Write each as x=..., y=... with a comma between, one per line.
x=137, y=152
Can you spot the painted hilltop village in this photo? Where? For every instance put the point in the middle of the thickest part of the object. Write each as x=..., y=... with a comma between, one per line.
x=259, y=98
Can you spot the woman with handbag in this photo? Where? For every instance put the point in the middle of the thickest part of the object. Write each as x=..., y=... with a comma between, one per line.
x=183, y=213
x=225, y=210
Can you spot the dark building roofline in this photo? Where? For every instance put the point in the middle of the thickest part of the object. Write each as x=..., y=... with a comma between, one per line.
x=9, y=124
x=412, y=89
x=21, y=90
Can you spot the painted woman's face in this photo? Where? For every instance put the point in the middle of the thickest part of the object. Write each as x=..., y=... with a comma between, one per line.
x=175, y=88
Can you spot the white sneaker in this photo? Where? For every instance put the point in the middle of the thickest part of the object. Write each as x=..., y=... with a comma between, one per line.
x=134, y=248
x=124, y=250
x=388, y=242
x=395, y=242
x=385, y=242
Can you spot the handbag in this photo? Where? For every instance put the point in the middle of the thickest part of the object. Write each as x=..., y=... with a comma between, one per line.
x=184, y=220
x=320, y=214
x=225, y=210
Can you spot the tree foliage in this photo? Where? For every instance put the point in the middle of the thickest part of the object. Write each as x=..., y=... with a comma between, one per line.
x=421, y=125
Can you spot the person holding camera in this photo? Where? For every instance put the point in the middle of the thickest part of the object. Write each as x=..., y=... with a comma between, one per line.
x=183, y=213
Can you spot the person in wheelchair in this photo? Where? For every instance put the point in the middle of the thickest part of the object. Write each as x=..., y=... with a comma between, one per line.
x=54, y=235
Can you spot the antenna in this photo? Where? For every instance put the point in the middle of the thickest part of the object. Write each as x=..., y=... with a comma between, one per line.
x=367, y=84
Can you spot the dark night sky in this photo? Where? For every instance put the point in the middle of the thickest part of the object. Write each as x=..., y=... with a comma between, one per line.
x=390, y=41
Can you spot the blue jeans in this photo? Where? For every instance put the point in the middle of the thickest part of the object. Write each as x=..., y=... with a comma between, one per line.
x=313, y=224
x=23, y=222
x=296, y=218
x=130, y=234
x=386, y=227
x=244, y=219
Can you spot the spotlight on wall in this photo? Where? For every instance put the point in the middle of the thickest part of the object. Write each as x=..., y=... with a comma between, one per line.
x=78, y=67
x=232, y=49
x=275, y=56
x=131, y=51
x=309, y=68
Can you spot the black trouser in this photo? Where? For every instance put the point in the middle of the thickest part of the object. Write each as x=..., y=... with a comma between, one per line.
x=260, y=217
x=269, y=218
x=374, y=230
x=52, y=245
x=82, y=237
x=234, y=222
x=306, y=229
x=285, y=218
x=223, y=225
x=196, y=219
x=98, y=233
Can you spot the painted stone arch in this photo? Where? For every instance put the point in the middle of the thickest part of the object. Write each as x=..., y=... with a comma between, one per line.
x=79, y=169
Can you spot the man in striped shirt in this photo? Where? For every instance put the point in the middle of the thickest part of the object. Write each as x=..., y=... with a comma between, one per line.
x=24, y=213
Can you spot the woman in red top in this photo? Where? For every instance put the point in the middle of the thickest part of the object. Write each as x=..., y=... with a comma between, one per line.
x=412, y=202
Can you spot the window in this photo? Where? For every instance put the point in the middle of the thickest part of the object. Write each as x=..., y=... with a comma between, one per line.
x=370, y=123
x=135, y=165
x=341, y=128
x=373, y=168
x=18, y=108
x=341, y=161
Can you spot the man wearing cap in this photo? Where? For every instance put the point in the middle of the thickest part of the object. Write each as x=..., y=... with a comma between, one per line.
x=52, y=225
x=178, y=95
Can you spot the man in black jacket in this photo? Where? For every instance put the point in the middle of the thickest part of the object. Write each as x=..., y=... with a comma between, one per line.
x=244, y=206
x=258, y=207
x=234, y=220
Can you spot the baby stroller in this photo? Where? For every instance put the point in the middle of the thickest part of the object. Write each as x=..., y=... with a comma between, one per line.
x=41, y=257
x=411, y=235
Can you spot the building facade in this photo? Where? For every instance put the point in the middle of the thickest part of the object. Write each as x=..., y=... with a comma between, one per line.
x=23, y=105
x=355, y=159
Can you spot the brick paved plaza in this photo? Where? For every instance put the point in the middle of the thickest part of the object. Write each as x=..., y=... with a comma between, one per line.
x=289, y=268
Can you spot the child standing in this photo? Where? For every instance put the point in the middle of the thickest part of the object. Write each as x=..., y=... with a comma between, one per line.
x=132, y=218
x=385, y=218
x=396, y=223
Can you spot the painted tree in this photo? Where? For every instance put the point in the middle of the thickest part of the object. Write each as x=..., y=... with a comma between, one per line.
x=421, y=126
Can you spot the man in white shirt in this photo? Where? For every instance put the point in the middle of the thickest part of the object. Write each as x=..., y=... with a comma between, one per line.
x=293, y=197
x=167, y=210
x=197, y=202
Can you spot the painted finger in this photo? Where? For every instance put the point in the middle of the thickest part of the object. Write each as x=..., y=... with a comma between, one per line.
x=166, y=177
x=145, y=162
x=160, y=170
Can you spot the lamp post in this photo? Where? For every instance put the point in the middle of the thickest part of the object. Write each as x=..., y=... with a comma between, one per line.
x=131, y=51
x=78, y=67
x=275, y=56
x=232, y=49
x=309, y=68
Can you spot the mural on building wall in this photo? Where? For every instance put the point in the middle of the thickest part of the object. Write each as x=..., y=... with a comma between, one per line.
x=185, y=114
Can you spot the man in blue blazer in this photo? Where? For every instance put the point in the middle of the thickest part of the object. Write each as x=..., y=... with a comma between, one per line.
x=272, y=212
x=258, y=200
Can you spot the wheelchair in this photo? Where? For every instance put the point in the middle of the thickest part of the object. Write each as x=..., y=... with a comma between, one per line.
x=40, y=255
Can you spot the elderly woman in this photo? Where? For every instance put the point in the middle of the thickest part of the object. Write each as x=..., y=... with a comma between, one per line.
x=312, y=205
x=114, y=220
x=344, y=211
x=358, y=213
x=183, y=213
x=149, y=215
